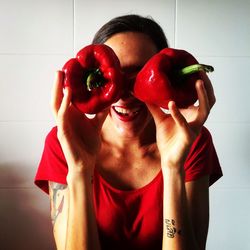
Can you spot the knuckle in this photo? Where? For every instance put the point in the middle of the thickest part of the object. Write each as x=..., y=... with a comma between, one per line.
x=213, y=101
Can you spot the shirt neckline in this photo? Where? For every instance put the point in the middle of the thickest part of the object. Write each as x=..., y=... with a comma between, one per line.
x=132, y=191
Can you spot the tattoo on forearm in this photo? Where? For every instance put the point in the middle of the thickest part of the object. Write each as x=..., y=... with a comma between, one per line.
x=57, y=200
x=171, y=228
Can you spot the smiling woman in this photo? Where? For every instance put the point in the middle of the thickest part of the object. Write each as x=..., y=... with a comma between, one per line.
x=132, y=177
x=132, y=58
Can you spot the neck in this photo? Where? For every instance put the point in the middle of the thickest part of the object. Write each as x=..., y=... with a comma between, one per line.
x=129, y=141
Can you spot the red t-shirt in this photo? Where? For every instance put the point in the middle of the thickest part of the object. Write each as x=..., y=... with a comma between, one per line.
x=129, y=219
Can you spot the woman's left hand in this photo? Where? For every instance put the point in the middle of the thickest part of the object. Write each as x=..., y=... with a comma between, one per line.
x=175, y=132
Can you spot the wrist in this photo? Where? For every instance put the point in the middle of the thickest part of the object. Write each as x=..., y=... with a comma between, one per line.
x=172, y=164
x=80, y=175
x=171, y=168
x=79, y=185
x=172, y=172
x=173, y=178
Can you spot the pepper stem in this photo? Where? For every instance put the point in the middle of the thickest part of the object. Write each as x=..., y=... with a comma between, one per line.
x=94, y=79
x=195, y=68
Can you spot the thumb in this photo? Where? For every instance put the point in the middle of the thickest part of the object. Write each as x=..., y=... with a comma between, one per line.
x=157, y=112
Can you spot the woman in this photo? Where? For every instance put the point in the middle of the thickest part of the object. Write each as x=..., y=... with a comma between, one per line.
x=132, y=177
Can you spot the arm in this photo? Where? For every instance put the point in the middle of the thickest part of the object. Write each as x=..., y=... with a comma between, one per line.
x=75, y=229
x=198, y=207
x=186, y=212
x=175, y=134
x=80, y=140
x=81, y=227
x=59, y=212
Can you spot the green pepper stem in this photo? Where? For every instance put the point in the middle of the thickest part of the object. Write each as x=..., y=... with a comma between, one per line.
x=94, y=79
x=195, y=68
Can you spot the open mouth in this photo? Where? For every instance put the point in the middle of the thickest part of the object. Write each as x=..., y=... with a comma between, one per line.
x=125, y=113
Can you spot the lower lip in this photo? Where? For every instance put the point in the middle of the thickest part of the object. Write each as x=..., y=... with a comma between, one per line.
x=125, y=118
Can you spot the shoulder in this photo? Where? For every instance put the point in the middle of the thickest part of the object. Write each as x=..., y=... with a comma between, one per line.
x=52, y=135
x=52, y=143
x=52, y=165
x=203, y=159
x=202, y=143
x=204, y=137
x=53, y=149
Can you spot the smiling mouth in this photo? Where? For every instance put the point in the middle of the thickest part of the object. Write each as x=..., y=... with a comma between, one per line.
x=124, y=112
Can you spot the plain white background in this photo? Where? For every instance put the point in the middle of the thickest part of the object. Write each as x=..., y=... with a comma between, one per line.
x=38, y=36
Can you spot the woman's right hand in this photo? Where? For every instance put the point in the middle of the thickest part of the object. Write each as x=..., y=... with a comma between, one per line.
x=78, y=135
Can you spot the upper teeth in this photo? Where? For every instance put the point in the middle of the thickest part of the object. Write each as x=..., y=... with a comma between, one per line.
x=126, y=111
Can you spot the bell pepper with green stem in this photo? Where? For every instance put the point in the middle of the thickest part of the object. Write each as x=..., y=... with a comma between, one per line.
x=95, y=78
x=169, y=75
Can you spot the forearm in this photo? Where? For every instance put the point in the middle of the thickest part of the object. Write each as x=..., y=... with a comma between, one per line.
x=177, y=229
x=81, y=227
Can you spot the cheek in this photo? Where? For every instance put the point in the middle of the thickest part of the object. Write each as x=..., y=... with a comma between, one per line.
x=149, y=117
x=144, y=118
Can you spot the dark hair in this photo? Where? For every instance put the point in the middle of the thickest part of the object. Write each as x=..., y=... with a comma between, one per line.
x=134, y=23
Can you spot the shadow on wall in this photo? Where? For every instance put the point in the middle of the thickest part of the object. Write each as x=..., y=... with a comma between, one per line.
x=24, y=213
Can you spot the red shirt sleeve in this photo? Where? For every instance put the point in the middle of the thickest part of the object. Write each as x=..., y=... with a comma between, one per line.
x=202, y=159
x=53, y=166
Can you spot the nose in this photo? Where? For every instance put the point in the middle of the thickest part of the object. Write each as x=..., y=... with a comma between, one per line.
x=128, y=87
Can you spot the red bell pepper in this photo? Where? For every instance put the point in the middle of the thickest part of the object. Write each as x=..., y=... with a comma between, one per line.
x=169, y=75
x=95, y=78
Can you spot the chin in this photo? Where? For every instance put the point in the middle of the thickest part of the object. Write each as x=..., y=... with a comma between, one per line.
x=130, y=122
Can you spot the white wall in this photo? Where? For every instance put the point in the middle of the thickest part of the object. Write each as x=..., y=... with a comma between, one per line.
x=36, y=39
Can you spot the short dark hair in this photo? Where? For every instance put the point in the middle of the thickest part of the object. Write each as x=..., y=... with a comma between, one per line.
x=134, y=23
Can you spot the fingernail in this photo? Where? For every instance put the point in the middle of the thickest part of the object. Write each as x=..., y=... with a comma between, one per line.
x=90, y=116
x=65, y=90
x=166, y=111
x=202, y=83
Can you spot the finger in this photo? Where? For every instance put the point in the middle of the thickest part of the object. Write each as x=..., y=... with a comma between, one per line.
x=204, y=106
x=67, y=94
x=57, y=92
x=209, y=88
x=177, y=116
x=156, y=112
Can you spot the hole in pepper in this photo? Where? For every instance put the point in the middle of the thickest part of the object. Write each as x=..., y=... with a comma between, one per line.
x=93, y=79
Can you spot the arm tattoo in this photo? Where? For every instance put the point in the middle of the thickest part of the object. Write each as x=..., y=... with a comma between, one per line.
x=57, y=200
x=171, y=229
